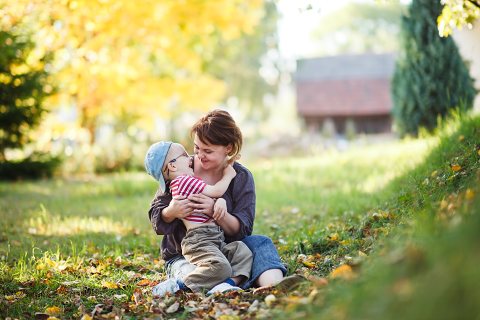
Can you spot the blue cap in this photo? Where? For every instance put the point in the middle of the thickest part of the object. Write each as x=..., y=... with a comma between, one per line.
x=154, y=160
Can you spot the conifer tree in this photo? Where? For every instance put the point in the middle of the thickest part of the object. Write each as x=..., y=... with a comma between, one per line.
x=23, y=87
x=430, y=76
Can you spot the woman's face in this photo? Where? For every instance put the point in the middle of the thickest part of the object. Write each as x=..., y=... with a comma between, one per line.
x=211, y=156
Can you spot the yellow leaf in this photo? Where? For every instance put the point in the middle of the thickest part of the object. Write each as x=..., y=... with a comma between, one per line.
x=52, y=311
x=455, y=167
x=143, y=283
x=309, y=264
x=333, y=237
x=228, y=317
x=86, y=317
x=343, y=272
x=469, y=194
x=109, y=285
x=40, y=266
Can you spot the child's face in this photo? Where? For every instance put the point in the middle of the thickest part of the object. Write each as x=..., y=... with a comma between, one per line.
x=179, y=156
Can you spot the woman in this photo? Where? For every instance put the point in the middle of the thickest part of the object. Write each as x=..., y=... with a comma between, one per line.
x=217, y=140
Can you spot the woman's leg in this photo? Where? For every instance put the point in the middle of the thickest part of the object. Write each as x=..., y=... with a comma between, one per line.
x=267, y=268
x=269, y=278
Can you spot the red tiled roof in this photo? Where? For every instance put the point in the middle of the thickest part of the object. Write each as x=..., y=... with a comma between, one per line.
x=344, y=97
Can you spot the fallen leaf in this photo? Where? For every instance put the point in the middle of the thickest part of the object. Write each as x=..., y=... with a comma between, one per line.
x=173, y=308
x=270, y=300
x=86, y=317
x=61, y=290
x=333, y=237
x=109, y=285
x=253, y=307
x=10, y=298
x=469, y=194
x=311, y=297
x=143, y=283
x=137, y=296
x=343, y=272
x=53, y=311
x=455, y=167
x=228, y=317
x=309, y=264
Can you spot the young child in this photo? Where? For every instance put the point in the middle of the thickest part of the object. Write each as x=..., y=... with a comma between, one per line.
x=203, y=244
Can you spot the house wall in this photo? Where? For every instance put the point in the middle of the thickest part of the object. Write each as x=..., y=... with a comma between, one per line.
x=344, y=97
x=363, y=124
x=468, y=41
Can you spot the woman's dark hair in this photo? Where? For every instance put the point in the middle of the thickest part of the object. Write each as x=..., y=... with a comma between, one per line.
x=218, y=128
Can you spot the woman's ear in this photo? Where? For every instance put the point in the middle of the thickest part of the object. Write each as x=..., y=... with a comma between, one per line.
x=228, y=148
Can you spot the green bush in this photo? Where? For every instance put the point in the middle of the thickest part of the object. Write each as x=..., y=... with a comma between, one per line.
x=430, y=76
x=36, y=166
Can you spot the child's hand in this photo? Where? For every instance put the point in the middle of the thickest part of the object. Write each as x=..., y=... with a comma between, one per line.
x=229, y=172
x=219, y=209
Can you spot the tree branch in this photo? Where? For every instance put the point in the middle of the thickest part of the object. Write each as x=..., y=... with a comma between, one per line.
x=475, y=3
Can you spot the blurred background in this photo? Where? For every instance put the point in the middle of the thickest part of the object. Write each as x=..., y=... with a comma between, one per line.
x=88, y=85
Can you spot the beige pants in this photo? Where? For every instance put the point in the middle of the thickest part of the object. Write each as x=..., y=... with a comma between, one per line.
x=214, y=260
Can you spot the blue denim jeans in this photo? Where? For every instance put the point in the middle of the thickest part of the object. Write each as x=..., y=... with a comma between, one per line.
x=265, y=257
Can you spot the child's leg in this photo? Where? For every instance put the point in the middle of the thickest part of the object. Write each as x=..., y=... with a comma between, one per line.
x=240, y=258
x=201, y=248
x=179, y=268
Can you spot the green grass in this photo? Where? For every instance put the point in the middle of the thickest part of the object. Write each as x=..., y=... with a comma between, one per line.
x=396, y=213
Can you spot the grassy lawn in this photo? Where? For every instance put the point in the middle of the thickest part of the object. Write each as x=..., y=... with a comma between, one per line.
x=384, y=231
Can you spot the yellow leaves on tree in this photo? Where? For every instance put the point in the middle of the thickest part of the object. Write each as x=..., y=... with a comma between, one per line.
x=117, y=58
x=457, y=14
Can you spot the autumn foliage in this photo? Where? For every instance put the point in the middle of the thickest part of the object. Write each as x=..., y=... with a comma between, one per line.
x=131, y=59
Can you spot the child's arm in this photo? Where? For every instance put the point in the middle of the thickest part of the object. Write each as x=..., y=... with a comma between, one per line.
x=219, y=209
x=219, y=188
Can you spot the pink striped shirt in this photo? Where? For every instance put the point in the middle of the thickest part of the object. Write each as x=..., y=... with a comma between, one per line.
x=185, y=186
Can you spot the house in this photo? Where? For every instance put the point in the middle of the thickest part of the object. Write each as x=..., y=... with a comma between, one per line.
x=468, y=42
x=346, y=88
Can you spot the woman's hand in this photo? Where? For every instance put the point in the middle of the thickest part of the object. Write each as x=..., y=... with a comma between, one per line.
x=179, y=208
x=201, y=204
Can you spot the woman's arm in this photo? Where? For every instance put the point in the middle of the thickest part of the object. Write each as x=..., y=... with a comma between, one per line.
x=230, y=224
x=241, y=194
